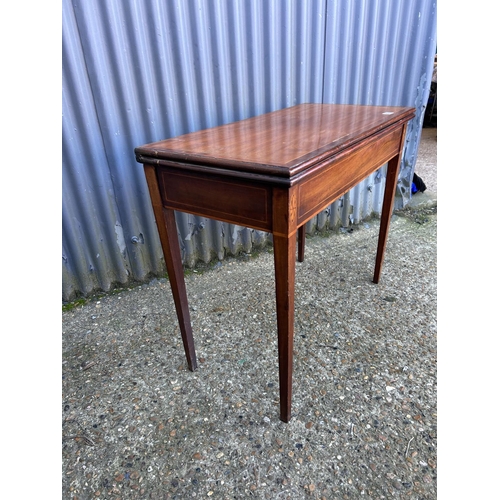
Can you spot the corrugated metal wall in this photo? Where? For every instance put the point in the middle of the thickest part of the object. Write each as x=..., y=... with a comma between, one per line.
x=143, y=70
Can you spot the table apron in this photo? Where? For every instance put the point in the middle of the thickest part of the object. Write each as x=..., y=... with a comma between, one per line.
x=338, y=175
x=246, y=203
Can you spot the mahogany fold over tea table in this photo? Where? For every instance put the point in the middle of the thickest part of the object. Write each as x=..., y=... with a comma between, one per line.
x=273, y=173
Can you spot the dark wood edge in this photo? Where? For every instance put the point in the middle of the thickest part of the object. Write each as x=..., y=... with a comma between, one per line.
x=235, y=174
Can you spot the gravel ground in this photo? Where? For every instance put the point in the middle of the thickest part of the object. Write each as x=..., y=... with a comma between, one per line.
x=136, y=423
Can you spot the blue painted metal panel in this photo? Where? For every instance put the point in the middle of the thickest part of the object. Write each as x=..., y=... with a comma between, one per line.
x=138, y=72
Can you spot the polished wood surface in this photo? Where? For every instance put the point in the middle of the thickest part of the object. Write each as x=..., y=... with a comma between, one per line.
x=272, y=172
x=281, y=143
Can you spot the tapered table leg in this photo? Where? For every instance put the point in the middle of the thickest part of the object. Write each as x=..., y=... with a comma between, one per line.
x=167, y=229
x=178, y=285
x=385, y=218
x=302, y=243
x=284, y=265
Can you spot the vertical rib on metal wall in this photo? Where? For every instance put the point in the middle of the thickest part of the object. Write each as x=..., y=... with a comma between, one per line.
x=138, y=72
x=381, y=53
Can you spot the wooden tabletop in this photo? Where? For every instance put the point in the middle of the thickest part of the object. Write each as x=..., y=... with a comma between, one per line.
x=281, y=143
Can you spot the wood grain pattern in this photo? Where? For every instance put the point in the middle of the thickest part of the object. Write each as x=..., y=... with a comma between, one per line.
x=282, y=143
